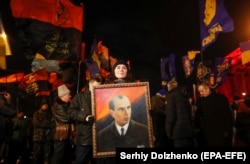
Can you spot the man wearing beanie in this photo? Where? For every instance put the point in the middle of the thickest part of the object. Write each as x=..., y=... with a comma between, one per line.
x=62, y=147
x=63, y=90
x=178, y=117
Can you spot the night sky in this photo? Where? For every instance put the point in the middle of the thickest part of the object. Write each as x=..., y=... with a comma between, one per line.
x=144, y=31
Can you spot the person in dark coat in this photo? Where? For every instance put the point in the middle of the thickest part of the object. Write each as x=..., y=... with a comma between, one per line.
x=242, y=122
x=178, y=117
x=18, y=148
x=42, y=133
x=61, y=151
x=214, y=118
x=122, y=132
x=80, y=111
x=158, y=116
x=7, y=111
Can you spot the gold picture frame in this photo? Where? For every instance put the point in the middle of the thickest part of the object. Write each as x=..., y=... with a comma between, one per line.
x=106, y=136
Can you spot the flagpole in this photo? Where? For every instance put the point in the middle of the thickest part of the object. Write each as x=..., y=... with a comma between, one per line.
x=194, y=90
x=78, y=77
x=82, y=51
x=202, y=64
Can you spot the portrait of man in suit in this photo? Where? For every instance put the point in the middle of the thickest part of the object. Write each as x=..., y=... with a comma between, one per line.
x=122, y=131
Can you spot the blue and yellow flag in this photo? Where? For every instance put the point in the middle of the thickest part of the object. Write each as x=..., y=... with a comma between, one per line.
x=213, y=20
x=222, y=66
x=245, y=52
x=168, y=69
x=188, y=65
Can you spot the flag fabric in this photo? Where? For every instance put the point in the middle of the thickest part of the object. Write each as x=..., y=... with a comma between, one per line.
x=188, y=62
x=62, y=13
x=92, y=67
x=192, y=54
x=52, y=42
x=168, y=69
x=52, y=29
x=36, y=83
x=222, y=66
x=9, y=79
x=214, y=74
x=188, y=65
x=94, y=53
x=100, y=55
x=164, y=75
x=204, y=70
x=50, y=65
x=214, y=19
x=103, y=52
x=12, y=78
x=172, y=68
x=245, y=52
x=6, y=49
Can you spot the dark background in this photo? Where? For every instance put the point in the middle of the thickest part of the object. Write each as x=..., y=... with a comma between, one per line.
x=143, y=32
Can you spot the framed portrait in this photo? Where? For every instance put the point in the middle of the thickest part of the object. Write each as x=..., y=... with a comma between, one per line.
x=122, y=118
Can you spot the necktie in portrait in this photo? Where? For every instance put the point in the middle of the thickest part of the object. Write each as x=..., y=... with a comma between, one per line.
x=122, y=132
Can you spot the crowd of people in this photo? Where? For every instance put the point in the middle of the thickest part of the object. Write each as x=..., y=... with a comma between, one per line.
x=177, y=123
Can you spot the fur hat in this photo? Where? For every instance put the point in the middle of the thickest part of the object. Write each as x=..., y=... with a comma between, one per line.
x=124, y=62
x=172, y=84
x=62, y=90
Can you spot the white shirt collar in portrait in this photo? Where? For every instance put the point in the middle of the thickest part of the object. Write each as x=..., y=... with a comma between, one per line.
x=119, y=128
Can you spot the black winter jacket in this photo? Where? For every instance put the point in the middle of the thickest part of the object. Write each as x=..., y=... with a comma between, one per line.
x=60, y=112
x=178, y=115
x=79, y=109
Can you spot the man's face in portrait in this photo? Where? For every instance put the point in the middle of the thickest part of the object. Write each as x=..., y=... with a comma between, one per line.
x=122, y=110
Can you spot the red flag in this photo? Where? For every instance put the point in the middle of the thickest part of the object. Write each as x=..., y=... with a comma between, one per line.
x=61, y=13
x=36, y=83
x=12, y=78
x=50, y=28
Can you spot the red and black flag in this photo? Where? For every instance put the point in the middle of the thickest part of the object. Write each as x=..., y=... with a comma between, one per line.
x=51, y=29
x=7, y=77
x=36, y=83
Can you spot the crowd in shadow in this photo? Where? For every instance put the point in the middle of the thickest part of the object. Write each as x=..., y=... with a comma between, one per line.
x=178, y=122
x=237, y=135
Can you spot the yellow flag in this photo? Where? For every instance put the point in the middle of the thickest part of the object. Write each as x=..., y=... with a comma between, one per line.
x=245, y=52
x=192, y=54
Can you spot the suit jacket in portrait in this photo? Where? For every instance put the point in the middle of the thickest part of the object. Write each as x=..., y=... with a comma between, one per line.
x=137, y=136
